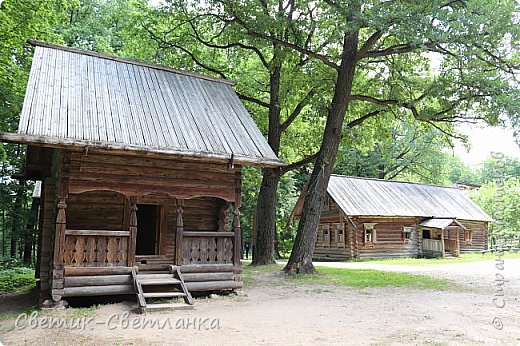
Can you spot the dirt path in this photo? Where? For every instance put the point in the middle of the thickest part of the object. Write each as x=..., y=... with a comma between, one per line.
x=274, y=311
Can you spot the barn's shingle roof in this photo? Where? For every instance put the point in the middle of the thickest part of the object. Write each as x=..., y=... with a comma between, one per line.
x=82, y=98
x=374, y=197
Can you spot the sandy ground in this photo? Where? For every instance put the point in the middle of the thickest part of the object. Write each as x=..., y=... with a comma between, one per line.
x=274, y=311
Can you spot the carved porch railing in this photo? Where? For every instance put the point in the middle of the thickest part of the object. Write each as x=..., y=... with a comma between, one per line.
x=208, y=247
x=96, y=248
x=432, y=245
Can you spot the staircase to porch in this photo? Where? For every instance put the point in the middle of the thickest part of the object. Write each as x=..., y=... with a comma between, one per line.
x=159, y=290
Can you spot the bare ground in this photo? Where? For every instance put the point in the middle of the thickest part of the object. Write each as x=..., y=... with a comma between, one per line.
x=275, y=311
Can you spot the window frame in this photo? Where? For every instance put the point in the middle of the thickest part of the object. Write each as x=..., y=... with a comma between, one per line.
x=407, y=233
x=372, y=232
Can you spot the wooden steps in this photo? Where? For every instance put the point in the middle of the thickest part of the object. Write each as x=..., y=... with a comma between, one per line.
x=167, y=284
x=164, y=294
x=169, y=306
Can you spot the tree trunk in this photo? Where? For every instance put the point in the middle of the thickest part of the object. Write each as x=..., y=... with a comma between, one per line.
x=30, y=231
x=303, y=248
x=18, y=217
x=267, y=199
x=3, y=233
x=266, y=218
x=277, y=254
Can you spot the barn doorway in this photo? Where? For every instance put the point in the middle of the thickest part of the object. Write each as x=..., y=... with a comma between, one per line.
x=147, y=242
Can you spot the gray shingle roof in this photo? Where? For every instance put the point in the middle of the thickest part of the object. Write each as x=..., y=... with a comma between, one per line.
x=373, y=197
x=83, y=98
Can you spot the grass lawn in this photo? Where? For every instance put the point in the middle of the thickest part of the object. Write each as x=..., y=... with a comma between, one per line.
x=363, y=278
x=360, y=278
x=464, y=258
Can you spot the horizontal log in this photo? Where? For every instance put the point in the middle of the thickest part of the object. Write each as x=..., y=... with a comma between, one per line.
x=198, y=277
x=99, y=280
x=98, y=290
x=104, y=233
x=209, y=234
x=207, y=268
x=88, y=271
x=213, y=285
x=154, y=258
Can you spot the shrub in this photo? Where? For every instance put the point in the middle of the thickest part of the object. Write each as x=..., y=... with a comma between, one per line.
x=9, y=262
x=16, y=278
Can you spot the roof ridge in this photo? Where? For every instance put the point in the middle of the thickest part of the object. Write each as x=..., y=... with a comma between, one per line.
x=128, y=61
x=395, y=181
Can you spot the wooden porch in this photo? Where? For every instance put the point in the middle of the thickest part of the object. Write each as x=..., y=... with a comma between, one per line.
x=440, y=248
x=100, y=262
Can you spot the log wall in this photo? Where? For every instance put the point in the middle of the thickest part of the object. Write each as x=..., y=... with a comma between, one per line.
x=100, y=190
x=389, y=240
x=46, y=238
x=139, y=176
x=338, y=239
x=479, y=235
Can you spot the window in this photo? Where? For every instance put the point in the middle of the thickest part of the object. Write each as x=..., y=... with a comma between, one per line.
x=148, y=216
x=468, y=237
x=370, y=233
x=407, y=233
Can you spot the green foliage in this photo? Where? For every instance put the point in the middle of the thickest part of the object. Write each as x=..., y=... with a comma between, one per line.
x=509, y=167
x=501, y=200
x=394, y=149
x=16, y=278
x=7, y=262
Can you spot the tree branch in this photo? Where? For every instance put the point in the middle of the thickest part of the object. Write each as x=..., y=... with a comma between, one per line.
x=252, y=99
x=298, y=164
x=369, y=43
x=397, y=49
x=298, y=109
x=287, y=44
x=229, y=45
x=360, y=120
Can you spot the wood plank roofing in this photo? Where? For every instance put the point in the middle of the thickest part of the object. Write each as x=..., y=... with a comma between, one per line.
x=374, y=197
x=86, y=99
x=439, y=223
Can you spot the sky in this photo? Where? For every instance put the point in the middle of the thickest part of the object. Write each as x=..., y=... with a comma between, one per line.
x=483, y=140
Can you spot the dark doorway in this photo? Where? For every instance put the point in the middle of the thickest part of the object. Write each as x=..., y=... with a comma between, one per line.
x=147, y=229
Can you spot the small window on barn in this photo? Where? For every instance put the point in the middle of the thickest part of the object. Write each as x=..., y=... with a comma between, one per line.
x=370, y=233
x=407, y=233
x=468, y=236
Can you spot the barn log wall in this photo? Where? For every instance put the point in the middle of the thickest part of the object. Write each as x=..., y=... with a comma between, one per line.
x=139, y=176
x=98, y=229
x=337, y=239
x=46, y=239
x=389, y=241
x=479, y=235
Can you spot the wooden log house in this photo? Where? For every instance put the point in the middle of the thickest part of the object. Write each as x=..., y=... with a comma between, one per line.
x=141, y=171
x=372, y=218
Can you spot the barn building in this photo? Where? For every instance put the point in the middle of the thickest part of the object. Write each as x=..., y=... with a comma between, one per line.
x=141, y=175
x=367, y=218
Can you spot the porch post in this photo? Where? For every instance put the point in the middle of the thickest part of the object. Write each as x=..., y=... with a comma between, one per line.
x=180, y=233
x=58, y=266
x=133, y=231
x=236, y=219
x=442, y=243
x=458, y=241
x=238, y=236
